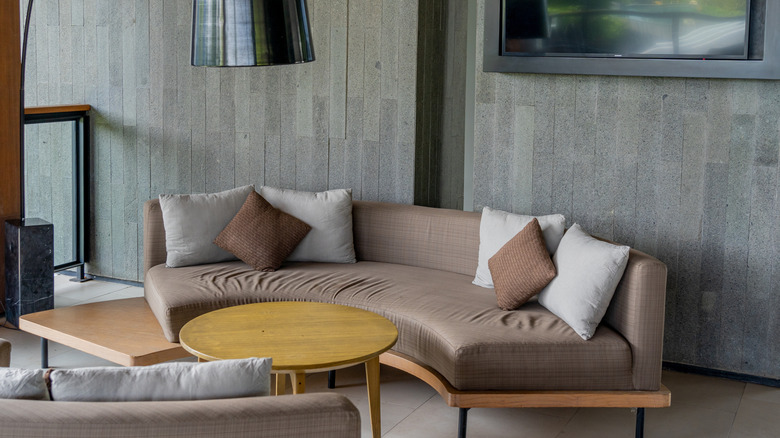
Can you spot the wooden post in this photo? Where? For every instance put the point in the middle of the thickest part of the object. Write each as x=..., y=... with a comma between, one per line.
x=10, y=83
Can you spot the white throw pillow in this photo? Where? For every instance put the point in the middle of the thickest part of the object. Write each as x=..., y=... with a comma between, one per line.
x=329, y=214
x=192, y=222
x=25, y=384
x=497, y=227
x=588, y=270
x=164, y=382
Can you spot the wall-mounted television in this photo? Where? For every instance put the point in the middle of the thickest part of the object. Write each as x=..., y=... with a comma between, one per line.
x=695, y=29
x=664, y=38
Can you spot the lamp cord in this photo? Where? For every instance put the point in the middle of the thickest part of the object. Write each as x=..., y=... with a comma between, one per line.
x=21, y=109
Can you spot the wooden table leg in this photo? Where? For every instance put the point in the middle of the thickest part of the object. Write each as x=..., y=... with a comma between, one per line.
x=298, y=382
x=372, y=382
x=281, y=380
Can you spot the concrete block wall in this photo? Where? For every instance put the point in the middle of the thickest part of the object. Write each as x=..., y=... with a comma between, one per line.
x=162, y=126
x=48, y=185
x=683, y=169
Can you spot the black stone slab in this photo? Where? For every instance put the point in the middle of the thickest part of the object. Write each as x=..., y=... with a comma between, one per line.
x=29, y=267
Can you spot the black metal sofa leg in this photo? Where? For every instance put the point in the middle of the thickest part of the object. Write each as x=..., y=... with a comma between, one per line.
x=462, y=417
x=640, y=422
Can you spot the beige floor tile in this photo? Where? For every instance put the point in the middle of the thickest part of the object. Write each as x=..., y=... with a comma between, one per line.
x=397, y=387
x=391, y=415
x=435, y=419
x=396, y=405
x=757, y=419
x=70, y=358
x=63, y=285
x=598, y=423
x=762, y=393
x=683, y=421
x=25, y=348
x=687, y=421
x=705, y=392
x=75, y=293
x=127, y=292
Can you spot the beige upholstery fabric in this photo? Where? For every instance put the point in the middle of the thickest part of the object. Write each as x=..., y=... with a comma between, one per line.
x=5, y=353
x=304, y=415
x=418, y=236
x=637, y=313
x=391, y=233
x=442, y=319
x=154, y=235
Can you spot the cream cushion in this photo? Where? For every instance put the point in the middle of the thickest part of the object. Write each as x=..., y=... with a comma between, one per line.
x=329, y=214
x=170, y=381
x=17, y=383
x=497, y=227
x=588, y=273
x=192, y=222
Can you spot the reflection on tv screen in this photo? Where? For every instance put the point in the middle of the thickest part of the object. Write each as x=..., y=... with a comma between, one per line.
x=628, y=28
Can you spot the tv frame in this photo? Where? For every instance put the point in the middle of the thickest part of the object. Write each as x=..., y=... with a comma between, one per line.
x=768, y=67
x=742, y=56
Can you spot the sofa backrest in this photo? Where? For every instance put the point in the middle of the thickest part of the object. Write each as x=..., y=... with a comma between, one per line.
x=384, y=232
x=418, y=236
x=154, y=235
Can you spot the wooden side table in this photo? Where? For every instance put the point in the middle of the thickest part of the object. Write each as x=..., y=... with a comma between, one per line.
x=301, y=337
x=121, y=331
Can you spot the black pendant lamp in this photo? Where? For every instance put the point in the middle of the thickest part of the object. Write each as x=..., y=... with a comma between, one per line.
x=233, y=33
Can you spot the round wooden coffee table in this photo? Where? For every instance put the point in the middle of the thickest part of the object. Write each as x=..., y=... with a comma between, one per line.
x=300, y=337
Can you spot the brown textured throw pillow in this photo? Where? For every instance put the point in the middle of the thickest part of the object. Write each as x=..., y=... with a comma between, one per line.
x=522, y=267
x=260, y=235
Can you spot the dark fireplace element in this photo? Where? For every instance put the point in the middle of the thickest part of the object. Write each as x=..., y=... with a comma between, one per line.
x=29, y=267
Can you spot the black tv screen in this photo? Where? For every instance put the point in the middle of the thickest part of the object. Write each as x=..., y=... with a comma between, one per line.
x=696, y=29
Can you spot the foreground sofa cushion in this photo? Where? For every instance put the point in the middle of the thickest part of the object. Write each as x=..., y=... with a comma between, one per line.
x=442, y=319
x=521, y=268
x=497, y=227
x=17, y=383
x=320, y=415
x=588, y=273
x=192, y=222
x=260, y=235
x=169, y=381
x=329, y=214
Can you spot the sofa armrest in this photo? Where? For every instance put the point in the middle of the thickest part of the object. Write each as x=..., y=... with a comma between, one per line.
x=637, y=313
x=306, y=415
x=155, y=252
x=5, y=353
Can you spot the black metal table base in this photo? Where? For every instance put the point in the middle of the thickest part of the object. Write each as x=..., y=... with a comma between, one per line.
x=44, y=353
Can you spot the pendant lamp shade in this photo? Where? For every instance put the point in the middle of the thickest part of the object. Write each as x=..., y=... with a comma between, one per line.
x=232, y=33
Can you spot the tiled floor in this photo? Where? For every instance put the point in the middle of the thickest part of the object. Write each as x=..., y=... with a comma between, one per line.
x=701, y=406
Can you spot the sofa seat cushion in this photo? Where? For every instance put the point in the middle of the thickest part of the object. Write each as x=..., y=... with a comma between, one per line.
x=443, y=320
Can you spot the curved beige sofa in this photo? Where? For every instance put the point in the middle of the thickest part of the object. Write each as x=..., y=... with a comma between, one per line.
x=415, y=267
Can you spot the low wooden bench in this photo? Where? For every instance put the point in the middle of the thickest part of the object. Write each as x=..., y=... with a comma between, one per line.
x=121, y=331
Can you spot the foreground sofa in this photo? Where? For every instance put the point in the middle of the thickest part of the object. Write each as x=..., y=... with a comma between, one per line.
x=415, y=266
x=286, y=416
x=305, y=415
